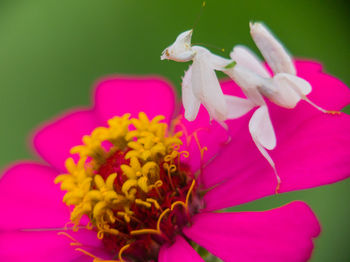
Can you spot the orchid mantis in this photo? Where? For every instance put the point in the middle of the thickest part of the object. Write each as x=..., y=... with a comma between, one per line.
x=201, y=86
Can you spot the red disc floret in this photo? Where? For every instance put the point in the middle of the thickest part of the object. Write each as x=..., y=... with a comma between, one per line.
x=174, y=188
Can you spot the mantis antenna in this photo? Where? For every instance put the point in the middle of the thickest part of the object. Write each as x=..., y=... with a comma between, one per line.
x=196, y=23
x=199, y=14
x=211, y=46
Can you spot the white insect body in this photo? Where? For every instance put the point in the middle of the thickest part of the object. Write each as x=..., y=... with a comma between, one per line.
x=201, y=86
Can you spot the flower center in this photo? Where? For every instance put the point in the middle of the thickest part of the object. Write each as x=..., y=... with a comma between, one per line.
x=131, y=183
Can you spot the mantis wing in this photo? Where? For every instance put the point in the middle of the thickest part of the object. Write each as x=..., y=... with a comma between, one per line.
x=237, y=106
x=261, y=128
x=263, y=135
x=245, y=57
x=272, y=50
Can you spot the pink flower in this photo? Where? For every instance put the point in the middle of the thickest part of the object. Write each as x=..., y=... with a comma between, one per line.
x=312, y=151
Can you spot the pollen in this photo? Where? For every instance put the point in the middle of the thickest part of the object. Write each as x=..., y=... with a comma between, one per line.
x=132, y=183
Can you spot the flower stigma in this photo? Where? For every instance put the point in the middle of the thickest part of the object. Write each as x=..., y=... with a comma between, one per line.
x=133, y=185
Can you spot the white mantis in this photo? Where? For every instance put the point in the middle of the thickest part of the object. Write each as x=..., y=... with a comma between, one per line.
x=201, y=86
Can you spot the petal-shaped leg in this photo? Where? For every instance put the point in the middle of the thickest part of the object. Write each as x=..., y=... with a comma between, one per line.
x=281, y=91
x=261, y=129
x=237, y=106
x=179, y=251
x=245, y=57
x=249, y=82
x=189, y=101
x=280, y=235
x=271, y=49
x=301, y=86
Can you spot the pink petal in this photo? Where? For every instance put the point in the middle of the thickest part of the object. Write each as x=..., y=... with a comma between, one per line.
x=279, y=235
x=179, y=251
x=37, y=246
x=314, y=154
x=34, y=214
x=304, y=65
x=30, y=199
x=54, y=140
x=18, y=246
x=210, y=135
x=120, y=95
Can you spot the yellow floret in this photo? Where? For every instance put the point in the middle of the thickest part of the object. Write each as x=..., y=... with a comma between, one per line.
x=148, y=146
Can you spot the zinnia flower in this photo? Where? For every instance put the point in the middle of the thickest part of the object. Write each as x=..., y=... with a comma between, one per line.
x=139, y=190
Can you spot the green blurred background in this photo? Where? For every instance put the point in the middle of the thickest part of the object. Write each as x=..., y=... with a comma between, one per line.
x=51, y=53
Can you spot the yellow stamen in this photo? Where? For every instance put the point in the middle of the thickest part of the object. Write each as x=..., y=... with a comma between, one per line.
x=184, y=154
x=87, y=253
x=150, y=230
x=142, y=203
x=178, y=122
x=201, y=149
x=156, y=186
x=100, y=234
x=165, y=212
x=145, y=231
x=125, y=216
x=170, y=168
x=154, y=202
x=189, y=192
x=121, y=252
x=75, y=242
x=176, y=203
